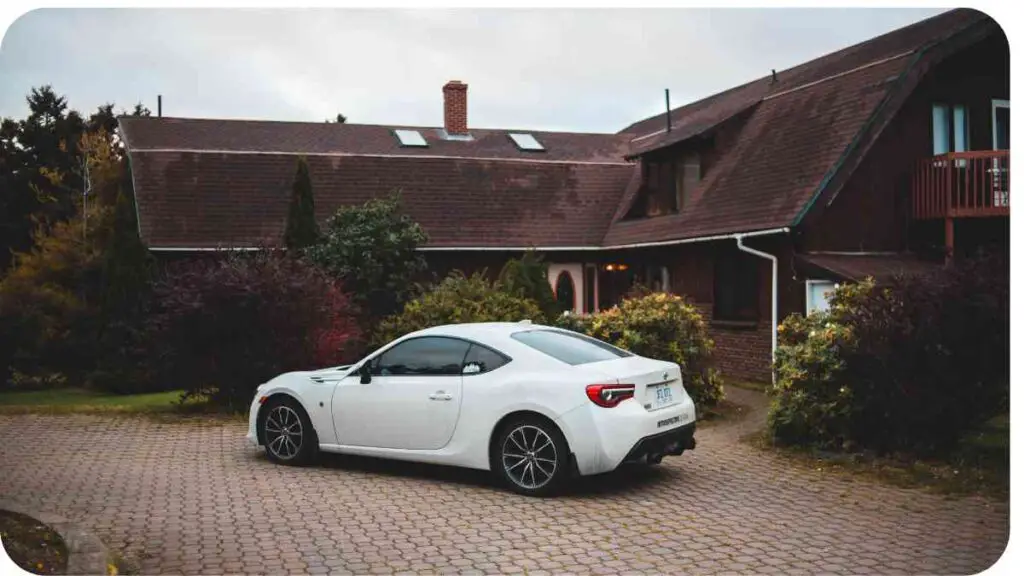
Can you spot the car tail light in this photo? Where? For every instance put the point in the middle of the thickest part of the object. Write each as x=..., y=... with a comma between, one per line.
x=609, y=395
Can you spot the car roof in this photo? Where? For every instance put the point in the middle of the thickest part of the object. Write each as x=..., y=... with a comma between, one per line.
x=485, y=332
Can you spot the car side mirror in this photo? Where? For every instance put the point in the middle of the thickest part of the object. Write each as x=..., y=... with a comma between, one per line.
x=364, y=373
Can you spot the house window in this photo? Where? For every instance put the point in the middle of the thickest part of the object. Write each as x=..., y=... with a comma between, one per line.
x=736, y=288
x=818, y=293
x=687, y=179
x=950, y=128
x=655, y=278
x=660, y=184
x=1000, y=124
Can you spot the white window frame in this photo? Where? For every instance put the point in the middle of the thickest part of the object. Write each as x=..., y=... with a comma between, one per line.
x=807, y=291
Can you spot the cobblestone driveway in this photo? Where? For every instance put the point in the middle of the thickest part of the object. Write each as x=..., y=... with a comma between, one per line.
x=180, y=498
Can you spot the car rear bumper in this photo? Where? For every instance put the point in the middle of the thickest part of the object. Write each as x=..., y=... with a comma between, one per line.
x=603, y=438
x=670, y=443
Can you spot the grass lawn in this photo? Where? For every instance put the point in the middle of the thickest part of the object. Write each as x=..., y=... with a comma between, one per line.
x=81, y=400
x=980, y=465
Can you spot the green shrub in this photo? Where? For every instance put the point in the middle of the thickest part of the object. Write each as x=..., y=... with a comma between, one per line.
x=660, y=326
x=582, y=323
x=372, y=249
x=907, y=367
x=456, y=300
x=527, y=277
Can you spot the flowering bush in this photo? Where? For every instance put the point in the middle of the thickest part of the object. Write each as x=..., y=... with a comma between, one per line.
x=458, y=299
x=812, y=396
x=660, y=326
x=220, y=328
x=904, y=367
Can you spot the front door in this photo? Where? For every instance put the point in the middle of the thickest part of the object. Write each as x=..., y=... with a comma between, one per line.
x=412, y=400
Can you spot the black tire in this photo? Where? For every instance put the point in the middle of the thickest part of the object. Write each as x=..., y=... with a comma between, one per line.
x=284, y=414
x=531, y=457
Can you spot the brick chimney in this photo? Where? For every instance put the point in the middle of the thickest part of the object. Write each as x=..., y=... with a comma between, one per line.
x=455, y=115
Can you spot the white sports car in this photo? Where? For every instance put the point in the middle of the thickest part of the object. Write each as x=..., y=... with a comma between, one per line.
x=531, y=403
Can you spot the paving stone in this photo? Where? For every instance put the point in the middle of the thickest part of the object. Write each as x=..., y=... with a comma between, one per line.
x=195, y=499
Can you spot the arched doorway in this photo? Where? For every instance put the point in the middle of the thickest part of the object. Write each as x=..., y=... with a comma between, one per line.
x=565, y=291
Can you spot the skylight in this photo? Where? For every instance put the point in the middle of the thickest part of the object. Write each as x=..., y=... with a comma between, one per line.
x=411, y=138
x=526, y=142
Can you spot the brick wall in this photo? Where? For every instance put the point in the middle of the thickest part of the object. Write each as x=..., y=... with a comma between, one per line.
x=741, y=353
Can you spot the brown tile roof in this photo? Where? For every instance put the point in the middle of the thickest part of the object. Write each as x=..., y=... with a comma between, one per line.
x=797, y=133
x=699, y=116
x=204, y=183
x=779, y=158
x=882, y=267
x=329, y=138
x=209, y=200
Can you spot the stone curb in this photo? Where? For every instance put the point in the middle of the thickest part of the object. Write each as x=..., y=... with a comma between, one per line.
x=86, y=553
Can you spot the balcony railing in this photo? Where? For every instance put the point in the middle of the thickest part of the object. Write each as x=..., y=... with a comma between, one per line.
x=962, y=185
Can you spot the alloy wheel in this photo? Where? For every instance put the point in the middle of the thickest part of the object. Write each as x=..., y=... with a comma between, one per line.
x=529, y=457
x=283, y=432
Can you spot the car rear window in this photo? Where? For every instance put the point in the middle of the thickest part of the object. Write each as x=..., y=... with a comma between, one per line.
x=569, y=347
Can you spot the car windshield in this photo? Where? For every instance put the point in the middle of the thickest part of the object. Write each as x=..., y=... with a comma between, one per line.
x=569, y=347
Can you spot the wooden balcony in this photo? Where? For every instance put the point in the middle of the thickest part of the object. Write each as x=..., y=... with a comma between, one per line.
x=962, y=185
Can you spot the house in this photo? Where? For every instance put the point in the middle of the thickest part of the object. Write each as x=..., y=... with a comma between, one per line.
x=882, y=158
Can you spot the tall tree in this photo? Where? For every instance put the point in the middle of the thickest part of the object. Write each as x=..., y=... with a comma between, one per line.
x=301, y=230
x=40, y=169
x=42, y=165
x=104, y=118
x=140, y=110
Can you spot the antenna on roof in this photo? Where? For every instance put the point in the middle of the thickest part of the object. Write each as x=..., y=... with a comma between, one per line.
x=159, y=105
x=773, y=76
x=668, y=113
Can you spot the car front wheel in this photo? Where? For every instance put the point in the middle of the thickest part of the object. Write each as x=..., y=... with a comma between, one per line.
x=531, y=457
x=287, y=432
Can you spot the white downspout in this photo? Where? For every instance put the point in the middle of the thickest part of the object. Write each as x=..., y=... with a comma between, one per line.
x=775, y=291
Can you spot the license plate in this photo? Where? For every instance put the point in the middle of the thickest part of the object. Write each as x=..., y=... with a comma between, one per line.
x=662, y=395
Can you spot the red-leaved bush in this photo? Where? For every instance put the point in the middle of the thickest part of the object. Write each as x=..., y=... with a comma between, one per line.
x=223, y=326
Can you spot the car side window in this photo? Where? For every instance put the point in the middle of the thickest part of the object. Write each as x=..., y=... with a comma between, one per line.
x=480, y=360
x=427, y=356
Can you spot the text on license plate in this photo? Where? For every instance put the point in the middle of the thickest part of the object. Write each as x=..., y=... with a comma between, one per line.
x=662, y=395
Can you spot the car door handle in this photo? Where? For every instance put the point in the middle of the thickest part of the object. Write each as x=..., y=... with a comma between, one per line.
x=440, y=395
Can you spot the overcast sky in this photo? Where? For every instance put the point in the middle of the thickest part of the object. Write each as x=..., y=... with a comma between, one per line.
x=592, y=70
